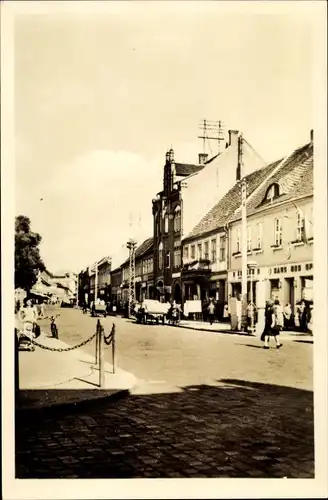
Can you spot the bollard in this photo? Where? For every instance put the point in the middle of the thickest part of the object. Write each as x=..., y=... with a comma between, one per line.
x=101, y=358
x=97, y=342
x=113, y=350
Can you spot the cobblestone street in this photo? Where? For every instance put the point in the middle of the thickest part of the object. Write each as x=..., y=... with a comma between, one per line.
x=205, y=406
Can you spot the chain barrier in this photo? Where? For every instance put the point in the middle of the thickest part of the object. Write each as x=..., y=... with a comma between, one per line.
x=60, y=349
x=111, y=337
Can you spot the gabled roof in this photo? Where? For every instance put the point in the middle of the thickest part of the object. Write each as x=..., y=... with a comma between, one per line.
x=220, y=214
x=294, y=178
x=185, y=169
x=142, y=249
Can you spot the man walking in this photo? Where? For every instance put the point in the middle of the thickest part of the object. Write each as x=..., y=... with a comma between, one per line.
x=211, y=311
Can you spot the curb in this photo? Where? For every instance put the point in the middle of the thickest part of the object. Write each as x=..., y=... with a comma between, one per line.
x=72, y=407
x=233, y=332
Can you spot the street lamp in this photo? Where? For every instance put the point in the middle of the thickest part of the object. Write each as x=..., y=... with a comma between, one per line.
x=251, y=265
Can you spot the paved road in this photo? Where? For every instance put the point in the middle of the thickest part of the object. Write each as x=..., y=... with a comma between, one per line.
x=206, y=406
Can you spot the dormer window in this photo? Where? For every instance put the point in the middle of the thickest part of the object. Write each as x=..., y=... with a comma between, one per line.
x=272, y=193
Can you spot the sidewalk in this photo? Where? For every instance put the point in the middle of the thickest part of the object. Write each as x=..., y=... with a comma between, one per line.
x=220, y=327
x=52, y=378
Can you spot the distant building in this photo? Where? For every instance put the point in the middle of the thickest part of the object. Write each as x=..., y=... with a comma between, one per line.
x=143, y=272
x=103, y=281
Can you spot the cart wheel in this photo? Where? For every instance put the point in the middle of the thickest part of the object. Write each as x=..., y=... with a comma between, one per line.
x=105, y=314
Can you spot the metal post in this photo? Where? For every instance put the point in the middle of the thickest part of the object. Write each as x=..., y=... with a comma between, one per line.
x=101, y=357
x=96, y=282
x=251, y=299
x=243, y=239
x=113, y=350
x=97, y=341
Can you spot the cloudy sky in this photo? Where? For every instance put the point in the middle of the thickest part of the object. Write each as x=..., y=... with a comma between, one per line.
x=100, y=97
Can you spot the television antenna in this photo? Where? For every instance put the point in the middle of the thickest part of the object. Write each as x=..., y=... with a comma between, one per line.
x=211, y=131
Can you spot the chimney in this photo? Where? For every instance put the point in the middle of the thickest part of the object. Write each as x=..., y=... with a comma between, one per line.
x=202, y=157
x=233, y=138
x=311, y=136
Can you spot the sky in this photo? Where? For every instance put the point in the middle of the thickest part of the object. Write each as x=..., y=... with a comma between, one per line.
x=99, y=98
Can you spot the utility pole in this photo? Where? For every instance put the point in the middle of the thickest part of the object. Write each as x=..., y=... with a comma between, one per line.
x=96, y=281
x=241, y=172
x=131, y=245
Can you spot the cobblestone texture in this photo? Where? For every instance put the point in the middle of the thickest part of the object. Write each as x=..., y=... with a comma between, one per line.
x=233, y=419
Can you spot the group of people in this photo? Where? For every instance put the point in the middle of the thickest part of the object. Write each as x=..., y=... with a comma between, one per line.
x=27, y=317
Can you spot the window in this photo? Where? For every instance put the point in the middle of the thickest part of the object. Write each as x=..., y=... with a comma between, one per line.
x=160, y=256
x=249, y=239
x=192, y=249
x=222, y=248
x=259, y=232
x=168, y=260
x=177, y=219
x=278, y=232
x=272, y=192
x=177, y=258
x=151, y=265
x=199, y=251
x=166, y=223
x=206, y=250
x=186, y=252
x=300, y=226
x=238, y=241
x=213, y=250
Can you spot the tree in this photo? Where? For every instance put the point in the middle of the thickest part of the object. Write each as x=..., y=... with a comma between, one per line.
x=28, y=262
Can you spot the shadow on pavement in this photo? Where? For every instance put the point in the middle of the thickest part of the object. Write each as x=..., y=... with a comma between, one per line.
x=235, y=429
x=304, y=341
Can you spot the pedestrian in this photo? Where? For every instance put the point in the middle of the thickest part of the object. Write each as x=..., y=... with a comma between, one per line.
x=226, y=312
x=287, y=316
x=28, y=316
x=211, y=311
x=273, y=324
x=304, y=313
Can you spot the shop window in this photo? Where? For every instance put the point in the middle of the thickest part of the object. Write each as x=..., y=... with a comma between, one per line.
x=206, y=250
x=186, y=252
x=213, y=250
x=193, y=253
x=166, y=222
x=277, y=232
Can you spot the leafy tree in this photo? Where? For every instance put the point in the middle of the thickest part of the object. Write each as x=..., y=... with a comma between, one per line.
x=27, y=255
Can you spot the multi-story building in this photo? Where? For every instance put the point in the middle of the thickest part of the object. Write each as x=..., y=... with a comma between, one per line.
x=116, y=281
x=279, y=232
x=103, y=279
x=189, y=191
x=206, y=247
x=144, y=280
x=83, y=287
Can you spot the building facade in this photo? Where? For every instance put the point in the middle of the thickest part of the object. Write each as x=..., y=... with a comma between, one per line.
x=279, y=233
x=144, y=272
x=189, y=192
x=102, y=281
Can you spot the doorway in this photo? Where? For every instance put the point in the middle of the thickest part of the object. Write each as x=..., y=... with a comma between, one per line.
x=291, y=293
x=177, y=293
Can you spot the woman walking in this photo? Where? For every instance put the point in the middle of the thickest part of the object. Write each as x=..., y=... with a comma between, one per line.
x=273, y=326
